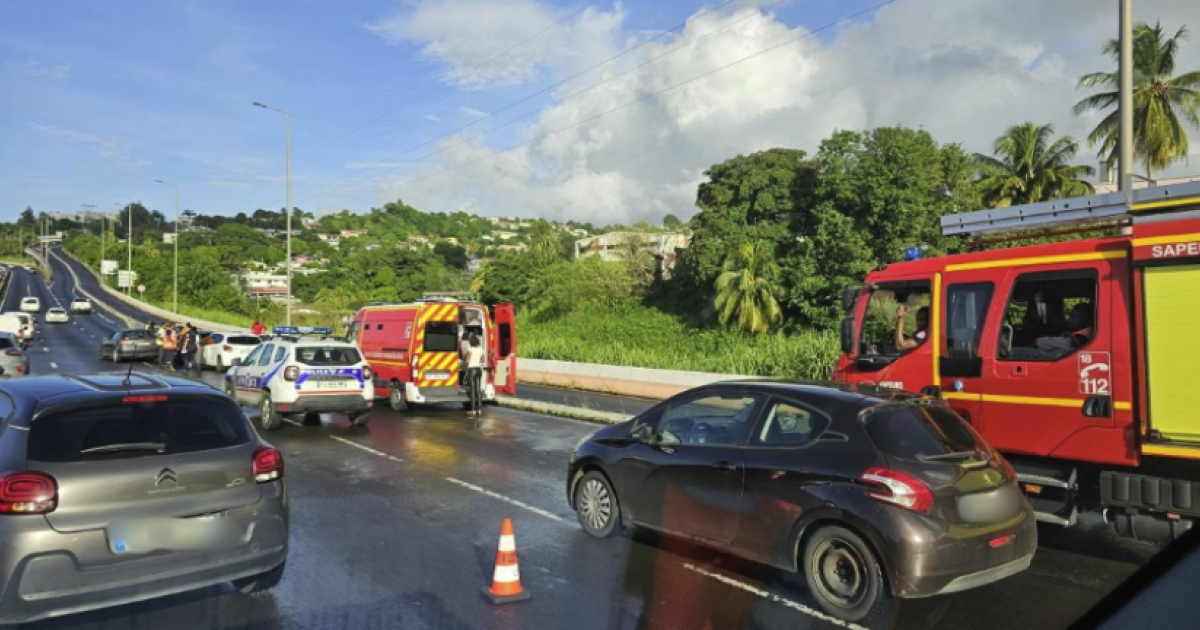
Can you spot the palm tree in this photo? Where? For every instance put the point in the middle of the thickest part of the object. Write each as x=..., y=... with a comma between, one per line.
x=1031, y=166
x=1159, y=100
x=746, y=289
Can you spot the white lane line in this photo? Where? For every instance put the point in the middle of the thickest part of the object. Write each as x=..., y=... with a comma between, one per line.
x=53, y=365
x=524, y=506
x=769, y=596
x=293, y=422
x=45, y=349
x=366, y=448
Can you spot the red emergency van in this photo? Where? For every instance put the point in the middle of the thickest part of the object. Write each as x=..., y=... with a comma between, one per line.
x=413, y=348
x=1074, y=358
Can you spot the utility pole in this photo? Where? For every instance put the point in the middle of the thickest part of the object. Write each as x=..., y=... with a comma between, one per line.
x=129, y=265
x=1125, y=99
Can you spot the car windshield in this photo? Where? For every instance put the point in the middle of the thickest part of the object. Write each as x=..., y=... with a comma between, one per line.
x=113, y=429
x=918, y=431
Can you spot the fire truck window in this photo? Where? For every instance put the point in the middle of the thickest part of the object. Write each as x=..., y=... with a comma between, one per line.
x=352, y=335
x=879, y=324
x=1049, y=316
x=966, y=312
x=441, y=337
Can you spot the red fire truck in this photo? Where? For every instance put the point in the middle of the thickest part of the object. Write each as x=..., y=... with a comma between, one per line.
x=413, y=348
x=1073, y=358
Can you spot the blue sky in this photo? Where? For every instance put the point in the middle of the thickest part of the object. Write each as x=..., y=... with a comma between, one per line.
x=99, y=99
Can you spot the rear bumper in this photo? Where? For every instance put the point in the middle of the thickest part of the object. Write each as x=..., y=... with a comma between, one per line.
x=434, y=395
x=50, y=574
x=326, y=403
x=934, y=559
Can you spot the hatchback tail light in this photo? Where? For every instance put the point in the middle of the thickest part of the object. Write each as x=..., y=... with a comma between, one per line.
x=291, y=373
x=28, y=493
x=899, y=489
x=20, y=369
x=268, y=465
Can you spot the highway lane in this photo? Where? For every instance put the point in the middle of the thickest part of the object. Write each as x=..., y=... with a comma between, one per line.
x=395, y=526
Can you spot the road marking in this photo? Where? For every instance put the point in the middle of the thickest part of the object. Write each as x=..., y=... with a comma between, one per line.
x=769, y=596
x=293, y=422
x=53, y=365
x=45, y=349
x=524, y=506
x=366, y=448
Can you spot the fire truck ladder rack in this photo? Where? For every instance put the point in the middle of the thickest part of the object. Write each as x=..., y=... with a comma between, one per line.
x=1117, y=207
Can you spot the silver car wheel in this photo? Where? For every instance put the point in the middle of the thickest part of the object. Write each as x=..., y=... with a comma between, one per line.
x=595, y=503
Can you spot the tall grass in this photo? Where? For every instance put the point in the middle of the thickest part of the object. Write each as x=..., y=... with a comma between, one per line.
x=637, y=336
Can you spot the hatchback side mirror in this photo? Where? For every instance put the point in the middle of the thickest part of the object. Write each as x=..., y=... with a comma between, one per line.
x=644, y=433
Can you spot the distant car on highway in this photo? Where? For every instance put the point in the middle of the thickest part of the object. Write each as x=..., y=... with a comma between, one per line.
x=13, y=357
x=220, y=349
x=132, y=343
x=57, y=315
x=30, y=269
x=30, y=304
x=128, y=488
x=867, y=494
x=28, y=325
x=81, y=305
x=297, y=376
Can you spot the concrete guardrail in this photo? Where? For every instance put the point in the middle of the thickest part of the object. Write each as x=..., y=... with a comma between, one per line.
x=615, y=379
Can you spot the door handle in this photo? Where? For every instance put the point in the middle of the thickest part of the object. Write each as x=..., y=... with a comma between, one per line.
x=725, y=466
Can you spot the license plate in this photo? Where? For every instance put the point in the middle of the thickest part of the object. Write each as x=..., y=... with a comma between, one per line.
x=137, y=536
x=333, y=384
x=437, y=376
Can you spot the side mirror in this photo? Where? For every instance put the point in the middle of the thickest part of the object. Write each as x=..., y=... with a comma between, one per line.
x=644, y=433
x=849, y=298
x=847, y=335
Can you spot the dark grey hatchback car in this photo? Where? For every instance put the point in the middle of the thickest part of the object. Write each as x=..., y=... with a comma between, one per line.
x=868, y=494
x=122, y=487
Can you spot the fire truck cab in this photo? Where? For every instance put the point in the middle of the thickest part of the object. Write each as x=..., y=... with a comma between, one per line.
x=1073, y=358
x=413, y=348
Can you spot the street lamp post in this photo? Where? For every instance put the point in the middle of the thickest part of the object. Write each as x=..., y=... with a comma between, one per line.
x=288, y=123
x=1125, y=98
x=129, y=264
x=175, y=309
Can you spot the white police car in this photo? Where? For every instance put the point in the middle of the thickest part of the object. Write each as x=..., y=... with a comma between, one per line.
x=293, y=375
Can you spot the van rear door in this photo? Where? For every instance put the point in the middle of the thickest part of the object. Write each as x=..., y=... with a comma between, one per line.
x=505, y=350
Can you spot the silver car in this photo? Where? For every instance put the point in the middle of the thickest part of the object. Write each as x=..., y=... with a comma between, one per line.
x=13, y=357
x=142, y=486
x=133, y=343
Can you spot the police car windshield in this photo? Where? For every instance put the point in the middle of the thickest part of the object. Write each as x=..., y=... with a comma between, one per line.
x=328, y=355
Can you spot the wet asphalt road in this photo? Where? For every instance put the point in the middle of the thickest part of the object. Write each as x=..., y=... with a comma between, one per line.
x=395, y=525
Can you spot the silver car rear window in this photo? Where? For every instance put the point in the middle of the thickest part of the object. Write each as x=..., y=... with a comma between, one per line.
x=115, y=429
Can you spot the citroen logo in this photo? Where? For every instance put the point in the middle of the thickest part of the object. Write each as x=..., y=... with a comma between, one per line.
x=166, y=476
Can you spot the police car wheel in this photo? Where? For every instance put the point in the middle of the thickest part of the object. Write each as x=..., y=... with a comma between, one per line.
x=270, y=419
x=361, y=419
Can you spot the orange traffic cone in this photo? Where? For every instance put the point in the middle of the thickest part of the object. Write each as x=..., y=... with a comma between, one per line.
x=506, y=581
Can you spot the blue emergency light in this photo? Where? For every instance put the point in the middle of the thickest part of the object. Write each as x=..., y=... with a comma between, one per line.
x=284, y=330
x=912, y=253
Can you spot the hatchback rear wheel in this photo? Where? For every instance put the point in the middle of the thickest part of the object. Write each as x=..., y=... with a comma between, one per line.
x=596, y=505
x=261, y=582
x=843, y=574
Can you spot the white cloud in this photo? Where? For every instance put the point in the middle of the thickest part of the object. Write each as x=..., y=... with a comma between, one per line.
x=502, y=42
x=113, y=149
x=471, y=112
x=56, y=72
x=359, y=166
x=431, y=118
x=964, y=71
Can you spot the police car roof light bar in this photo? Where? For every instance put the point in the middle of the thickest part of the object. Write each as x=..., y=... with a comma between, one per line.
x=1108, y=207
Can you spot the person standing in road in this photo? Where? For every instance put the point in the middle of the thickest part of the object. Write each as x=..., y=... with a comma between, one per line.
x=475, y=364
x=189, y=345
x=258, y=328
x=159, y=336
x=170, y=343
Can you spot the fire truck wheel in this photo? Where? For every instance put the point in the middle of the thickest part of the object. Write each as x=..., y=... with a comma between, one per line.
x=396, y=398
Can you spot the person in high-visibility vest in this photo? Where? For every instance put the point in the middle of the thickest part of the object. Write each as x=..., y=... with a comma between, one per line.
x=159, y=335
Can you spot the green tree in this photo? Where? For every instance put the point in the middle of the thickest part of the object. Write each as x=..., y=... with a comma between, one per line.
x=453, y=255
x=1031, y=166
x=511, y=278
x=672, y=222
x=1162, y=101
x=746, y=289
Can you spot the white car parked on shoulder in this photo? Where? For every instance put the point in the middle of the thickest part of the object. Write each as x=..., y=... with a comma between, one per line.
x=296, y=376
x=28, y=325
x=220, y=349
x=57, y=315
x=30, y=304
